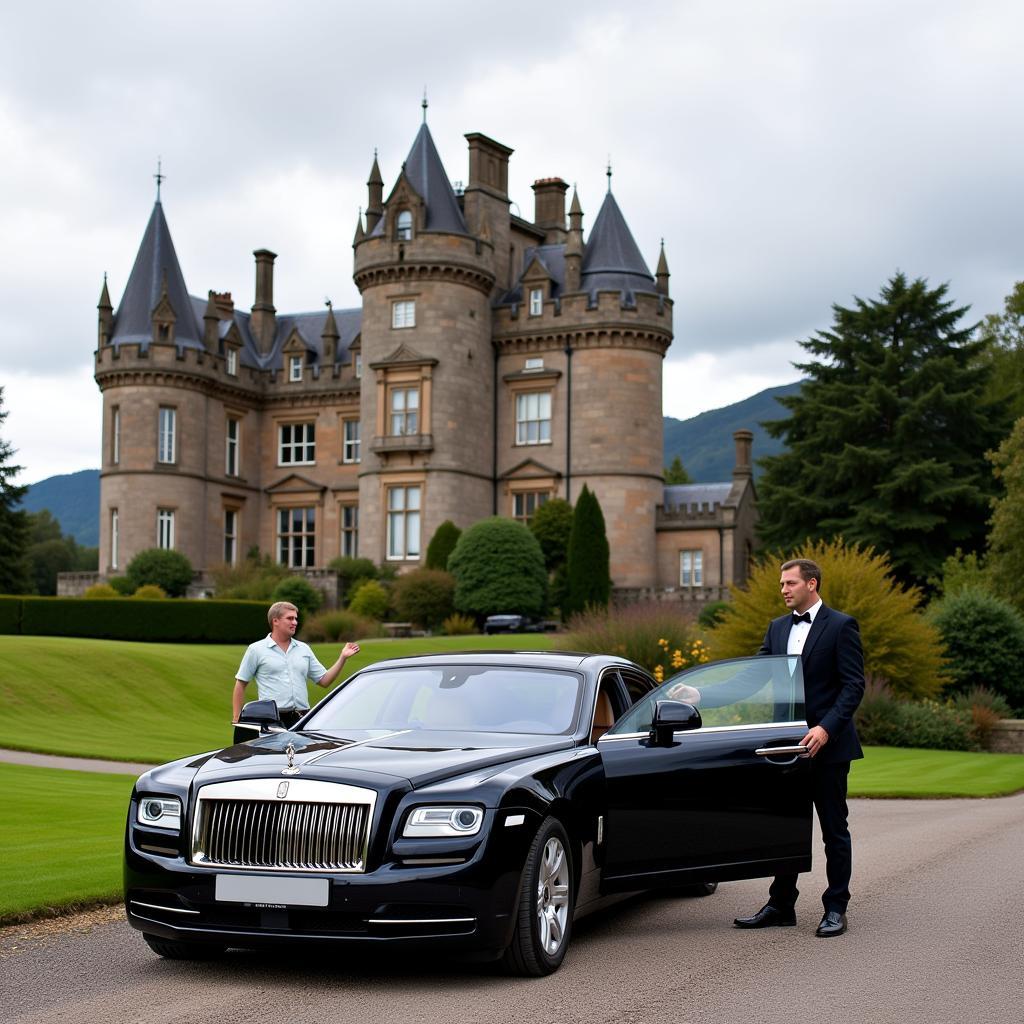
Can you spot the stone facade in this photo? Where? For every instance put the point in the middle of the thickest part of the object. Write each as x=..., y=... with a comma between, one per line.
x=494, y=362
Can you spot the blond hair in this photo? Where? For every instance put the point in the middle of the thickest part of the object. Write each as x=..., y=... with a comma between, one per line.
x=277, y=611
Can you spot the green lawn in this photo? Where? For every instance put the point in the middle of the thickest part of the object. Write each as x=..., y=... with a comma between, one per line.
x=61, y=836
x=898, y=772
x=129, y=701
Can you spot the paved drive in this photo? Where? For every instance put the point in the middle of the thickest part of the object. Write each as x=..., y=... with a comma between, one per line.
x=936, y=936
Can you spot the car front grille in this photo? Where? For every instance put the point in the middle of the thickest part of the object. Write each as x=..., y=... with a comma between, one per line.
x=316, y=826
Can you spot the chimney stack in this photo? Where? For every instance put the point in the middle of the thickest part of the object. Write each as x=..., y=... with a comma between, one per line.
x=744, y=441
x=549, y=208
x=264, y=317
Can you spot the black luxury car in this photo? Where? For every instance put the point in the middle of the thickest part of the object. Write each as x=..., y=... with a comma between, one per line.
x=476, y=801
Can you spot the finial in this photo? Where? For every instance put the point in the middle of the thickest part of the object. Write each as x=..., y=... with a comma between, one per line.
x=159, y=178
x=328, y=304
x=104, y=277
x=424, y=104
x=374, y=152
x=609, y=172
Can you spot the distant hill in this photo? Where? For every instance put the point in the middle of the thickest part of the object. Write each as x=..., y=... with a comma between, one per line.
x=74, y=500
x=704, y=442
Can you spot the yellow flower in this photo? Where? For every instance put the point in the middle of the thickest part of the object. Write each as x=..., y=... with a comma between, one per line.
x=659, y=674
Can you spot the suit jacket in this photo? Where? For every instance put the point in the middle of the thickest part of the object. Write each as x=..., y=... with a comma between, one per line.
x=833, y=669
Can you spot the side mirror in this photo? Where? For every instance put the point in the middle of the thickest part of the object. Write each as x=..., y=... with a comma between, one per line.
x=671, y=716
x=256, y=718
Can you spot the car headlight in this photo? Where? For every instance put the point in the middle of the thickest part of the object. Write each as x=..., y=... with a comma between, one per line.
x=161, y=811
x=443, y=821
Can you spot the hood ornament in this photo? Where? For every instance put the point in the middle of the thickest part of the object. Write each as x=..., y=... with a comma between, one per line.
x=292, y=768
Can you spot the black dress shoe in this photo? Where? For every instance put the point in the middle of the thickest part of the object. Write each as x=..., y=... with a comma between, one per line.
x=833, y=923
x=768, y=917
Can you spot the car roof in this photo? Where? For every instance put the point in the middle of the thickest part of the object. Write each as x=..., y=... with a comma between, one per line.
x=564, y=660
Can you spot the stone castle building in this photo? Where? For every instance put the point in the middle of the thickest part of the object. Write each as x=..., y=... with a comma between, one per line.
x=495, y=362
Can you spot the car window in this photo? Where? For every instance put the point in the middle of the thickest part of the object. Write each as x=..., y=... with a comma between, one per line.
x=637, y=684
x=465, y=697
x=743, y=691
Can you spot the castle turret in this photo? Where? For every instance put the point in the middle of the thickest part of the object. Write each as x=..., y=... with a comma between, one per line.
x=574, y=245
x=661, y=275
x=375, y=196
x=106, y=315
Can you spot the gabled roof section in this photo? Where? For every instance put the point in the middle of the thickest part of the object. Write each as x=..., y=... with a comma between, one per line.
x=552, y=259
x=611, y=258
x=156, y=258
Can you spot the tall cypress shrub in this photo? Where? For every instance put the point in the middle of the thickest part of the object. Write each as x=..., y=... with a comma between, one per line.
x=589, y=583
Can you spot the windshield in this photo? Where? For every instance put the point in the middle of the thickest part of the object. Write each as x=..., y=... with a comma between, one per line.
x=461, y=698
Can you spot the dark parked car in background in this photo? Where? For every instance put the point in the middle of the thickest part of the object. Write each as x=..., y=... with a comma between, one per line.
x=477, y=802
x=516, y=624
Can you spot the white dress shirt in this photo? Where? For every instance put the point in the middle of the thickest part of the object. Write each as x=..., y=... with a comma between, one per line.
x=799, y=631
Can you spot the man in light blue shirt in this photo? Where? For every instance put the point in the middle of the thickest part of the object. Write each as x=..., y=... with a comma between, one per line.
x=280, y=664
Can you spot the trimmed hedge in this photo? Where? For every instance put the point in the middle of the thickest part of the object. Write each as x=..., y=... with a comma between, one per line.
x=10, y=614
x=123, y=618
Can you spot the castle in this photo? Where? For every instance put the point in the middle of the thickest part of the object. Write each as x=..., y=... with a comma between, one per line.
x=495, y=362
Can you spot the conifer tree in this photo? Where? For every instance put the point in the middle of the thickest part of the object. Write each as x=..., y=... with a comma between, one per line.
x=676, y=473
x=442, y=544
x=589, y=582
x=886, y=439
x=14, y=578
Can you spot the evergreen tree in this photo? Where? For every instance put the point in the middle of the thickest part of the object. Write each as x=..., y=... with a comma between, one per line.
x=1005, y=562
x=441, y=545
x=14, y=578
x=676, y=473
x=886, y=438
x=1004, y=351
x=552, y=525
x=589, y=582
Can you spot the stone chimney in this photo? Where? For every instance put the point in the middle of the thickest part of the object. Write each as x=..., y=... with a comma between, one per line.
x=264, y=317
x=549, y=208
x=488, y=165
x=744, y=465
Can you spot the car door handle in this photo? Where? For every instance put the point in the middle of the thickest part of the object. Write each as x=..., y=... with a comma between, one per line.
x=799, y=750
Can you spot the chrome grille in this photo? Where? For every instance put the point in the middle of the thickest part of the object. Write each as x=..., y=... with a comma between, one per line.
x=241, y=825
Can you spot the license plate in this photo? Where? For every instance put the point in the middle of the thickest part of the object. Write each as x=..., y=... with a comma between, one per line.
x=273, y=891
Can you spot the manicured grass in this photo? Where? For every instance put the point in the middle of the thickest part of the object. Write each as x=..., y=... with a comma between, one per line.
x=128, y=701
x=899, y=772
x=61, y=836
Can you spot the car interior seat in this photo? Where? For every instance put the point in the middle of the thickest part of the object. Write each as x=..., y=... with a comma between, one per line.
x=604, y=717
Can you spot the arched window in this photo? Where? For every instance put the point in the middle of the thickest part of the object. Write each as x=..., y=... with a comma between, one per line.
x=403, y=226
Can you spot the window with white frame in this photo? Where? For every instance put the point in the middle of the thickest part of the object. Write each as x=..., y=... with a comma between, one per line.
x=231, y=359
x=404, y=522
x=691, y=568
x=525, y=503
x=536, y=301
x=115, y=434
x=533, y=418
x=350, y=530
x=296, y=537
x=115, y=539
x=403, y=226
x=405, y=411
x=296, y=444
x=232, y=440
x=359, y=365
x=165, y=528
x=295, y=368
x=230, y=536
x=403, y=313
x=166, y=445
x=350, y=441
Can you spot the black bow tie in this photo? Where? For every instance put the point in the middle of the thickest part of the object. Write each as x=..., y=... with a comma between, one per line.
x=806, y=617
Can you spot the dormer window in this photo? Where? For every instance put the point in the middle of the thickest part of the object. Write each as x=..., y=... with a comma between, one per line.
x=295, y=368
x=359, y=365
x=403, y=226
x=232, y=362
x=536, y=301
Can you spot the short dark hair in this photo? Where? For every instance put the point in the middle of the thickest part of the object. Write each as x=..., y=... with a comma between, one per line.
x=808, y=570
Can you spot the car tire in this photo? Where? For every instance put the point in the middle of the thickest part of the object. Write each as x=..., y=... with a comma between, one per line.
x=172, y=949
x=545, y=905
x=696, y=889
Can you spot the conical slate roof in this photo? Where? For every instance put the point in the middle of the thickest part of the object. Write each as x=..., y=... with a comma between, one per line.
x=156, y=257
x=611, y=258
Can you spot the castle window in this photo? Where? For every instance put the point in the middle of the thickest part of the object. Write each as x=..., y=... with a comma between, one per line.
x=115, y=434
x=350, y=441
x=525, y=503
x=405, y=411
x=295, y=368
x=296, y=445
x=536, y=301
x=691, y=568
x=165, y=528
x=403, y=226
x=231, y=446
x=533, y=418
x=230, y=536
x=232, y=362
x=296, y=537
x=403, y=522
x=350, y=530
x=166, y=447
x=115, y=538
x=359, y=365
x=403, y=313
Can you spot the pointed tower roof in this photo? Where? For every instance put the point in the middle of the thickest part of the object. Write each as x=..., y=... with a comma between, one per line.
x=611, y=259
x=426, y=174
x=375, y=177
x=155, y=260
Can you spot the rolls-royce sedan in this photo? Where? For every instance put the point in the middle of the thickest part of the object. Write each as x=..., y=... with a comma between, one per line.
x=476, y=801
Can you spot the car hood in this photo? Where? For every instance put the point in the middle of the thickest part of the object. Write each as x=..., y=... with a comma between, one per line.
x=417, y=756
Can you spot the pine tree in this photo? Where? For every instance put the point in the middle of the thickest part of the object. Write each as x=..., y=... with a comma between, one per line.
x=676, y=473
x=14, y=578
x=1005, y=562
x=589, y=582
x=887, y=437
x=442, y=544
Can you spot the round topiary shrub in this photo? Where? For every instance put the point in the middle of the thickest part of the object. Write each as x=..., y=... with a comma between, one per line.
x=498, y=568
x=101, y=590
x=425, y=597
x=371, y=600
x=442, y=544
x=300, y=593
x=150, y=592
x=984, y=639
x=169, y=570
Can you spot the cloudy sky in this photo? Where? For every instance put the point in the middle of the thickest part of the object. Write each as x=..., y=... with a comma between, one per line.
x=792, y=154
